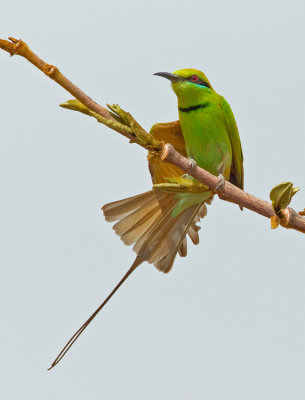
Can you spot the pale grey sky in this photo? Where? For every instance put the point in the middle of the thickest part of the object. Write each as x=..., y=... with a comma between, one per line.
x=228, y=322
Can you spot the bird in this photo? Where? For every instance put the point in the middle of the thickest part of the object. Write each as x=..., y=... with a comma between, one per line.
x=208, y=125
x=158, y=221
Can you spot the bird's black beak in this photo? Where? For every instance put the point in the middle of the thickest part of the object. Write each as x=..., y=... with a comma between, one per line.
x=169, y=76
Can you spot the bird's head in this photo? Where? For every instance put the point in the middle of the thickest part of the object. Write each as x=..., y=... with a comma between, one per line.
x=190, y=85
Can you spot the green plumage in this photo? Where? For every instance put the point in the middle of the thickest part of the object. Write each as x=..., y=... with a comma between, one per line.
x=209, y=130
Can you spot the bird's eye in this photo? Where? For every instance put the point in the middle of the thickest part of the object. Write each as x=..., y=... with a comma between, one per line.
x=194, y=78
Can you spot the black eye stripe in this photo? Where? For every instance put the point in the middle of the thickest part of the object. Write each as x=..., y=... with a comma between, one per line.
x=199, y=82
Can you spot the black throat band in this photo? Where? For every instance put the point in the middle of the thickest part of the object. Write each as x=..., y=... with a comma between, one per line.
x=193, y=108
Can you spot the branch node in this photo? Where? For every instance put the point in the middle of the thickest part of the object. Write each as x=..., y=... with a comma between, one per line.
x=50, y=70
x=285, y=217
x=17, y=44
x=13, y=40
x=165, y=151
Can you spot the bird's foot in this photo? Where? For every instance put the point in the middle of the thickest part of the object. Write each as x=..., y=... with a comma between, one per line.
x=220, y=184
x=193, y=164
x=182, y=184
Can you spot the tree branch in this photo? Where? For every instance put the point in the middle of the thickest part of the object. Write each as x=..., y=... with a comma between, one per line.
x=288, y=217
x=123, y=123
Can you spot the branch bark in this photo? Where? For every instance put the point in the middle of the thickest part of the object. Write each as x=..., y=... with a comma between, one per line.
x=288, y=217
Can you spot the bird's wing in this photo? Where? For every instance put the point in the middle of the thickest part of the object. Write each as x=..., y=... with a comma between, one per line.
x=237, y=170
x=169, y=132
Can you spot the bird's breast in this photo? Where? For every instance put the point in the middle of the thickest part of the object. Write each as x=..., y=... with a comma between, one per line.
x=206, y=138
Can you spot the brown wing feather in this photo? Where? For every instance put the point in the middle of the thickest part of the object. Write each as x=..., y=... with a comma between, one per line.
x=169, y=132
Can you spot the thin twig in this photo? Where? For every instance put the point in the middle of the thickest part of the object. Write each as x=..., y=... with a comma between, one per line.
x=288, y=217
x=20, y=48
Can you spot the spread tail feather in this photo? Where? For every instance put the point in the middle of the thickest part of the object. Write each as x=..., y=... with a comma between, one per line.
x=146, y=221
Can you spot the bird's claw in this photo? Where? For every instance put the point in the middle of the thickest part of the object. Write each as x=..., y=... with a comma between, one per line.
x=193, y=164
x=220, y=184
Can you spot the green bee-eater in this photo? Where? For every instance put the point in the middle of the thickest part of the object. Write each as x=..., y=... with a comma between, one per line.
x=157, y=222
x=208, y=125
